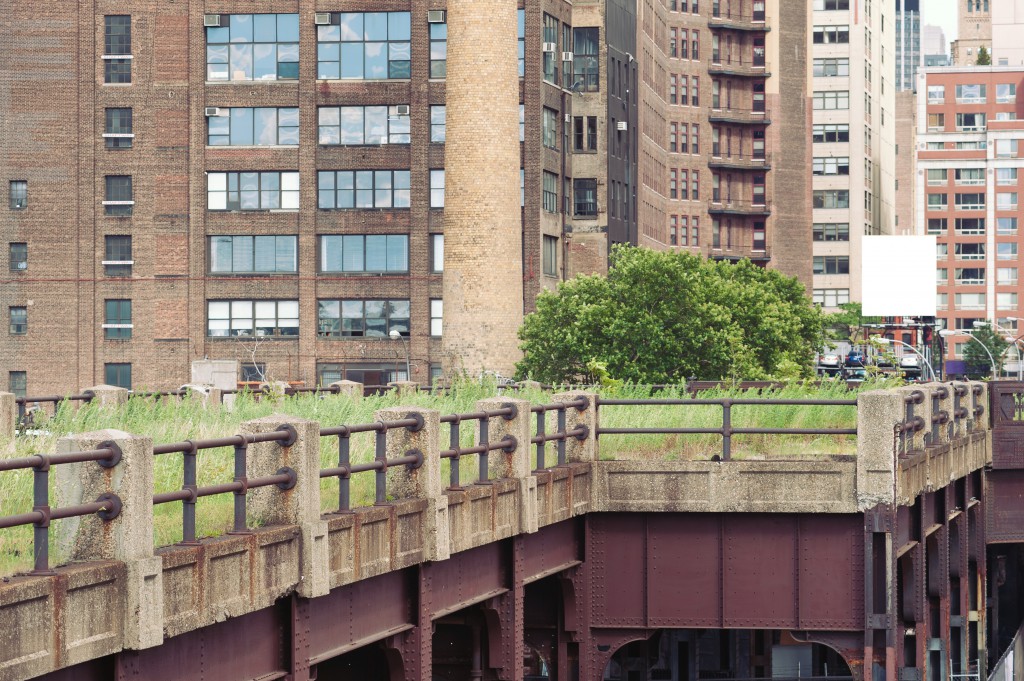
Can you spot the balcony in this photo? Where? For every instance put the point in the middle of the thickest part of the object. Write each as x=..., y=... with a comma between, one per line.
x=739, y=67
x=759, y=256
x=738, y=21
x=740, y=162
x=738, y=207
x=740, y=116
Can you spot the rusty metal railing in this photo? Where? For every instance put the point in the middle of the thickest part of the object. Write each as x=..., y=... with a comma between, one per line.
x=482, y=448
x=560, y=435
x=106, y=506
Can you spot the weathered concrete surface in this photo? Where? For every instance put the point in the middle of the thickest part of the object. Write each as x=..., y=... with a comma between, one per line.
x=349, y=389
x=108, y=395
x=8, y=418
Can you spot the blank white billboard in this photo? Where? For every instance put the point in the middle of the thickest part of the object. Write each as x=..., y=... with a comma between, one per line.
x=898, y=276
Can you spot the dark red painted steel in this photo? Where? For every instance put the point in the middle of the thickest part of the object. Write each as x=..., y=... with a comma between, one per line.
x=557, y=548
x=468, y=577
x=1004, y=517
x=1007, y=400
x=685, y=574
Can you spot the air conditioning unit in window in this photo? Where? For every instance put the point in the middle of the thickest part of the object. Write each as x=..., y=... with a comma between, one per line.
x=567, y=56
x=436, y=16
x=322, y=18
x=213, y=111
x=19, y=204
x=622, y=125
x=402, y=109
x=568, y=118
x=211, y=20
x=548, y=47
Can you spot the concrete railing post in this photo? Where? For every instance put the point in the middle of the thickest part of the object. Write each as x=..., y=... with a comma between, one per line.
x=108, y=395
x=576, y=449
x=299, y=505
x=8, y=417
x=349, y=389
x=982, y=420
x=129, y=536
x=942, y=408
x=404, y=388
x=207, y=395
x=422, y=481
x=515, y=463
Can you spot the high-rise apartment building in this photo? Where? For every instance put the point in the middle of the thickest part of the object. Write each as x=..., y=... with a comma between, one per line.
x=268, y=184
x=974, y=31
x=908, y=43
x=933, y=41
x=970, y=127
x=734, y=183
x=853, y=137
x=1007, y=29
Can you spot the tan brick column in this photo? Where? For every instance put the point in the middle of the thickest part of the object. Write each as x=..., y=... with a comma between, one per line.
x=483, y=261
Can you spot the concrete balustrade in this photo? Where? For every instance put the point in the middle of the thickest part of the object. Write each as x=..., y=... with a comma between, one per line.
x=404, y=388
x=351, y=389
x=8, y=419
x=108, y=395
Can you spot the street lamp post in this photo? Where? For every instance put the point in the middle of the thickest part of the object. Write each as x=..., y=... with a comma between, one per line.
x=946, y=333
x=1016, y=346
x=395, y=335
x=882, y=339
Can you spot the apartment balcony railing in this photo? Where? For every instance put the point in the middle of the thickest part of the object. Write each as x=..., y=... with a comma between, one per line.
x=740, y=161
x=740, y=116
x=724, y=18
x=757, y=68
x=758, y=253
x=726, y=206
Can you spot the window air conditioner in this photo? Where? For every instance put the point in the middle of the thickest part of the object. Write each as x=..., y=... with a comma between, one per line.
x=213, y=111
x=211, y=20
x=322, y=18
x=621, y=125
x=568, y=118
x=567, y=56
x=436, y=16
x=402, y=109
x=548, y=47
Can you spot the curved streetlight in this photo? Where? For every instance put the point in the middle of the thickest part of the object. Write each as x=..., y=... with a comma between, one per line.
x=395, y=335
x=887, y=341
x=946, y=333
x=1009, y=338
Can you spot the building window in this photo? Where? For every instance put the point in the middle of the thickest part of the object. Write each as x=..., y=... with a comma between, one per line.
x=1006, y=201
x=1006, y=148
x=695, y=45
x=253, y=47
x=118, y=199
x=263, y=126
x=253, y=254
x=364, y=46
x=1006, y=301
x=970, y=276
x=831, y=198
x=831, y=297
x=252, y=317
x=938, y=201
x=971, y=201
x=118, y=375
x=831, y=165
x=937, y=226
x=117, y=256
x=585, y=197
x=117, y=134
x=358, y=125
x=376, y=253
x=437, y=253
x=550, y=192
x=550, y=256
x=252, y=191
x=437, y=188
x=347, y=189
x=831, y=231
x=584, y=133
x=586, y=58
x=550, y=39
x=1006, y=93
x=1006, y=276
x=831, y=264
x=117, y=319
x=827, y=68
x=936, y=94
x=969, y=301
x=1006, y=226
x=437, y=123
x=362, y=318
x=521, y=31
x=831, y=99
x=19, y=320
x=1006, y=176
x=673, y=183
x=695, y=139
x=969, y=226
x=549, y=128
x=17, y=383
x=972, y=93
x=438, y=50
x=969, y=251
x=436, y=316
x=937, y=176
x=117, y=48
x=825, y=5
x=18, y=256
x=759, y=240
x=970, y=122
x=1006, y=251
x=18, y=194
x=695, y=91
x=831, y=35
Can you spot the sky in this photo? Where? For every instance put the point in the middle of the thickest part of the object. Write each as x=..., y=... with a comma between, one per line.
x=942, y=13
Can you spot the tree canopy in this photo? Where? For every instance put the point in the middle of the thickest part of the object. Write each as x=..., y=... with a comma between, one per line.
x=984, y=58
x=979, y=364
x=662, y=317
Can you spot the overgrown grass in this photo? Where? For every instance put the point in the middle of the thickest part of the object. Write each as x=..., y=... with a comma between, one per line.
x=172, y=420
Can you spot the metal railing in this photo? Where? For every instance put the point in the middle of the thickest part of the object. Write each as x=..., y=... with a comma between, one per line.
x=914, y=422
x=560, y=435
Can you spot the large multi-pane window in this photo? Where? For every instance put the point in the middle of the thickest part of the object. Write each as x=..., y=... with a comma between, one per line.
x=831, y=35
x=969, y=251
x=271, y=190
x=969, y=227
x=262, y=126
x=586, y=58
x=436, y=316
x=252, y=318
x=938, y=201
x=549, y=128
x=970, y=93
x=17, y=383
x=1006, y=93
x=829, y=231
x=19, y=320
x=549, y=192
x=355, y=125
x=831, y=198
x=838, y=66
x=362, y=318
x=17, y=196
x=831, y=165
x=117, y=319
x=245, y=254
x=253, y=47
x=831, y=297
x=375, y=253
x=831, y=99
x=831, y=264
x=550, y=40
x=117, y=256
x=438, y=50
x=831, y=5
x=117, y=48
x=438, y=123
x=118, y=374
x=343, y=189
x=364, y=46
x=585, y=133
x=584, y=193
x=437, y=253
x=437, y=188
x=549, y=256
x=18, y=256
x=521, y=32
x=118, y=196
x=970, y=201
x=117, y=132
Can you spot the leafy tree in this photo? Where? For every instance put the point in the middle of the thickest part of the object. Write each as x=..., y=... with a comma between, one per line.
x=977, y=360
x=984, y=58
x=660, y=317
x=848, y=322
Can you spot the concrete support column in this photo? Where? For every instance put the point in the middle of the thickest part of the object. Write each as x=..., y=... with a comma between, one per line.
x=878, y=414
x=108, y=395
x=405, y=388
x=349, y=389
x=516, y=463
x=207, y=395
x=8, y=417
x=585, y=449
x=422, y=480
x=299, y=505
x=129, y=536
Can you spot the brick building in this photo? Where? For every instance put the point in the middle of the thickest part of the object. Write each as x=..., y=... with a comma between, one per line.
x=970, y=136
